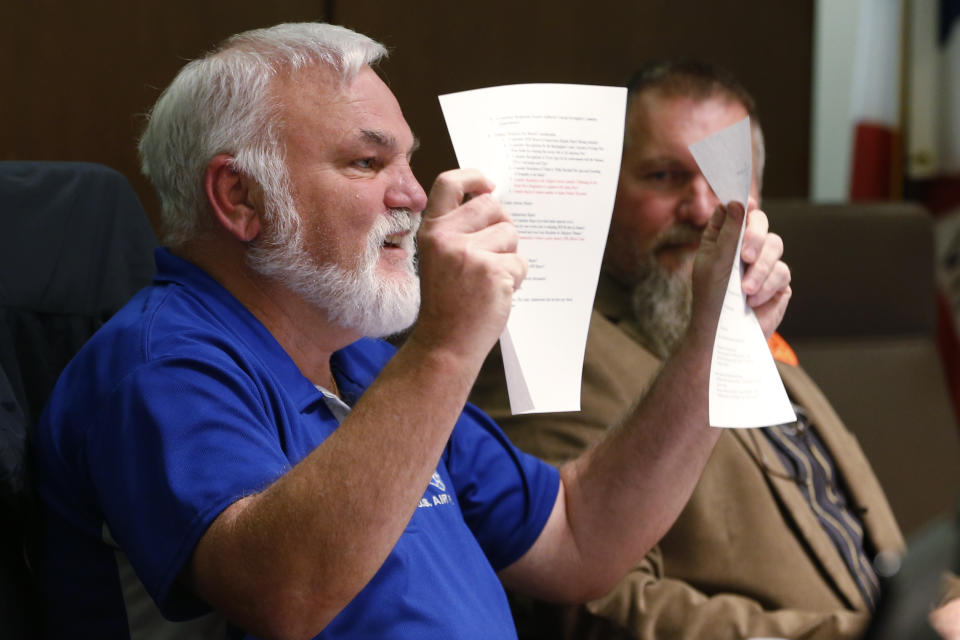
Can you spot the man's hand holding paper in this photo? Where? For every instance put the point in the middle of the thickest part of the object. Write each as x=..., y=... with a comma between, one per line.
x=468, y=264
x=619, y=498
x=668, y=430
x=552, y=148
x=553, y=151
x=745, y=388
x=766, y=278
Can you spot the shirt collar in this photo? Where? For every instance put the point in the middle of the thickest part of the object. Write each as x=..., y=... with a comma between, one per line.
x=354, y=367
x=237, y=320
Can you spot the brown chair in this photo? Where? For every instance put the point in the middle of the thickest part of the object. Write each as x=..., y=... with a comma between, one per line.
x=863, y=324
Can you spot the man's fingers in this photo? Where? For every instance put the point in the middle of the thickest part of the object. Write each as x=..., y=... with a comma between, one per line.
x=712, y=230
x=753, y=235
x=515, y=265
x=729, y=232
x=767, y=258
x=766, y=281
x=469, y=267
x=451, y=189
x=770, y=313
x=946, y=620
x=777, y=280
x=501, y=237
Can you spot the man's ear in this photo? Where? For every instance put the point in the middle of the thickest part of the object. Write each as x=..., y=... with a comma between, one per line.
x=229, y=194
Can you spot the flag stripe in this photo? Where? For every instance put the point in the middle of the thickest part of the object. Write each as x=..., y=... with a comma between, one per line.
x=872, y=158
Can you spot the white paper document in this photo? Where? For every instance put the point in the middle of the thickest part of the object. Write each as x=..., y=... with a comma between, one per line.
x=745, y=387
x=553, y=151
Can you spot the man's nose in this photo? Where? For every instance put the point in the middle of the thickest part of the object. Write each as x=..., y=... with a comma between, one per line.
x=405, y=192
x=699, y=202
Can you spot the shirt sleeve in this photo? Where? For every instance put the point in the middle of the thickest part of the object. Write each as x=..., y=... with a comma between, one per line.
x=179, y=440
x=505, y=495
x=646, y=605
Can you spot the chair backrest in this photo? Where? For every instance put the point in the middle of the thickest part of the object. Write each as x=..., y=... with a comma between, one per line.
x=76, y=246
x=863, y=323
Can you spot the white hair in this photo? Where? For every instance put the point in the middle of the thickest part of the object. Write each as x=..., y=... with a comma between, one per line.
x=223, y=103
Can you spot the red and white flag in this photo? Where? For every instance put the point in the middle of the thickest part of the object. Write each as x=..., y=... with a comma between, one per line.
x=875, y=102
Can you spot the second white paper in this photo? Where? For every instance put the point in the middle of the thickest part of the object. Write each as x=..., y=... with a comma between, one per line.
x=745, y=386
x=553, y=150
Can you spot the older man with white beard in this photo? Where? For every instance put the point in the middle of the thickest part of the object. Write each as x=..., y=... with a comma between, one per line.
x=779, y=534
x=233, y=455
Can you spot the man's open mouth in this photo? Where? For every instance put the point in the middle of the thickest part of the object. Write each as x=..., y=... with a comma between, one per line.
x=394, y=240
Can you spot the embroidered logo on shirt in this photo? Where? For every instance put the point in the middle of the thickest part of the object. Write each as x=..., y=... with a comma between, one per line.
x=435, y=498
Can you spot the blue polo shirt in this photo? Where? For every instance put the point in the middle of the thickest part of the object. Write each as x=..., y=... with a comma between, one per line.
x=184, y=403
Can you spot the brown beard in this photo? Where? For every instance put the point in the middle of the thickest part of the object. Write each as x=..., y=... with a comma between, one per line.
x=662, y=299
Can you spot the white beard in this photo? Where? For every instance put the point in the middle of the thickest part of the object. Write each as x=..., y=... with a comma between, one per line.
x=358, y=298
x=661, y=306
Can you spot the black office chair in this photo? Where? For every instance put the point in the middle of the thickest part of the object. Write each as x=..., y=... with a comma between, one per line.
x=910, y=584
x=76, y=245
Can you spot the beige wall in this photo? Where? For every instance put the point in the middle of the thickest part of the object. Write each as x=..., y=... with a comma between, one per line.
x=76, y=77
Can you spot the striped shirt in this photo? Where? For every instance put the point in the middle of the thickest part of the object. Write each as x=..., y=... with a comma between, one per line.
x=810, y=465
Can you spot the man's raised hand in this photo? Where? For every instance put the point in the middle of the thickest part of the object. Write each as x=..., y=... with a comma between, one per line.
x=469, y=267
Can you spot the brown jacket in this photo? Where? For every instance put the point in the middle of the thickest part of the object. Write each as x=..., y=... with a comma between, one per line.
x=746, y=557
